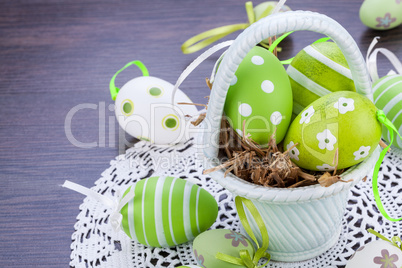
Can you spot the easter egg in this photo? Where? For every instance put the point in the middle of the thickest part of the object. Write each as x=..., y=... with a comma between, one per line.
x=381, y=14
x=376, y=254
x=209, y=243
x=167, y=211
x=143, y=109
x=260, y=94
x=318, y=70
x=189, y=266
x=388, y=97
x=345, y=121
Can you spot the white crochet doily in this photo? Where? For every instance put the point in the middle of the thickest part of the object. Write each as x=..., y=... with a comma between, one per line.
x=95, y=244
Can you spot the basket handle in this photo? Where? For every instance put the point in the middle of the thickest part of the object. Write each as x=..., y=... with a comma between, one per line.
x=269, y=26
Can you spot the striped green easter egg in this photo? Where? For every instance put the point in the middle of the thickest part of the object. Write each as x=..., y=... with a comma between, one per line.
x=388, y=97
x=167, y=211
x=318, y=70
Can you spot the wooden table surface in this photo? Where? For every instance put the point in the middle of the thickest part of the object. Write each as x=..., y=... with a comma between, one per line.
x=58, y=56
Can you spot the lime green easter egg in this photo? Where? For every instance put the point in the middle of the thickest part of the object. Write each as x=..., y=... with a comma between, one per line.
x=318, y=70
x=260, y=94
x=388, y=97
x=209, y=243
x=381, y=15
x=345, y=121
x=167, y=211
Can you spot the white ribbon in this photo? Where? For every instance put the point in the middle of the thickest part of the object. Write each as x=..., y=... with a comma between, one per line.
x=115, y=216
x=197, y=62
x=371, y=60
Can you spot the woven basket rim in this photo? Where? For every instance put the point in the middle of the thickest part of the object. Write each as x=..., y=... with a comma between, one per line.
x=241, y=187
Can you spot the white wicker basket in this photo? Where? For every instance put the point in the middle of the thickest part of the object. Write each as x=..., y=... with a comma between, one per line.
x=302, y=222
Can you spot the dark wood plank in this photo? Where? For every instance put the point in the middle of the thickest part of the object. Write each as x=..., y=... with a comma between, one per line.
x=55, y=55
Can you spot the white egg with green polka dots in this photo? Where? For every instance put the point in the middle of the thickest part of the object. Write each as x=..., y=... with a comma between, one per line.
x=343, y=122
x=259, y=99
x=143, y=109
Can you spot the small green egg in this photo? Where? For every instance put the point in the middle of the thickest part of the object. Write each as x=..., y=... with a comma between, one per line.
x=209, y=243
x=381, y=14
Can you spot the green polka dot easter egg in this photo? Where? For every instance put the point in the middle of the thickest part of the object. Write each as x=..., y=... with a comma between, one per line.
x=388, y=97
x=317, y=70
x=260, y=94
x=209, y=243
x=345, y=121
x=167, y=211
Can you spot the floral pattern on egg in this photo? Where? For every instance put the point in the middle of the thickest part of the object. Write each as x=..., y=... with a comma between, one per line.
x=325, y=167
x=236, y=239
x=326, y=140
x=362, y=152
x=385, y=21
x=343, y=122
x=306, y=116
x=294, y=153
x=344, y=105
x=386, y=260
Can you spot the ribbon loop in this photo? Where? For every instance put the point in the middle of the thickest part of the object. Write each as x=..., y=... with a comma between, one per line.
x=115, y=216
x=371, y=60
x=206, y=38
x=391, y=128
x=261, y=249
x=113, y=89
x=245, y=259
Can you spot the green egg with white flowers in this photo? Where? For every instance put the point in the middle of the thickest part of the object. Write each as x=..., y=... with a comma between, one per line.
x=260, y=96
x=344, y=122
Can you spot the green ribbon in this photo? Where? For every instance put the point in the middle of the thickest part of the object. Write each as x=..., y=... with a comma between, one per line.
x=113, y=89
x=245, y=259
x=396, y=240
x=206, y=38
x=391, y=128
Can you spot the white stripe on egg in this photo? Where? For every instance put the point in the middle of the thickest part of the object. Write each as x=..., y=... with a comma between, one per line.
x=328, y=62
x=142, y=211
x=130, y=214
x=187, y=210
x=385, y=90
x=306, y=82
x=391, y=104
x=160, y=232
x=170, y=210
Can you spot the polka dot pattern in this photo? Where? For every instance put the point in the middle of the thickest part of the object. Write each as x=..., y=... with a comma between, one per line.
x=257, y=60
x=267, y=86
x=260, y=96
x=245, y=109
x=234, y=81
x=276, y=118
